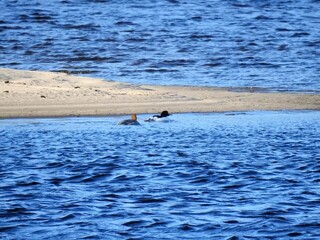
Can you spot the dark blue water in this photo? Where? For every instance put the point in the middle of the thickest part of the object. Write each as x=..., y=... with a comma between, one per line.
x=200, y=176
x=271, y=44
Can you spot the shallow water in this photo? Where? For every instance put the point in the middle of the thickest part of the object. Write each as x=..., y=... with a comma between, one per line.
x=270, y=44
x=248, y=175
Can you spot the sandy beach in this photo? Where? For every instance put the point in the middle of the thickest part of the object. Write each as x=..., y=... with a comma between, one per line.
x=48, y=94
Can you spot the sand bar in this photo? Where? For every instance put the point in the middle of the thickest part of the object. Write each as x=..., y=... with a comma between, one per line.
x=48, y=94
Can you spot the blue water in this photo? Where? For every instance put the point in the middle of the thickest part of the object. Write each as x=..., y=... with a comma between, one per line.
x=253, y=175
x=270, y=44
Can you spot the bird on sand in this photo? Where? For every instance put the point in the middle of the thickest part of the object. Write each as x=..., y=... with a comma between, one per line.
x=132, y=121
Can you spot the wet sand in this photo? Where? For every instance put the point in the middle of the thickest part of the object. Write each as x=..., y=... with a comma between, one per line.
x=48, y=94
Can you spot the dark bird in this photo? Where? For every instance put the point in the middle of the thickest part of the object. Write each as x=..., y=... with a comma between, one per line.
x=132, y=121
x=160, y=117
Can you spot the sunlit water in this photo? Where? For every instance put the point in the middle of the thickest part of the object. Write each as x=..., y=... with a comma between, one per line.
x=200, y=176
x=271, y=44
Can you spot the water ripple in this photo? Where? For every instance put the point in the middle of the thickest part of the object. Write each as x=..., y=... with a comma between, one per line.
x=229, y=176
x=229, y=43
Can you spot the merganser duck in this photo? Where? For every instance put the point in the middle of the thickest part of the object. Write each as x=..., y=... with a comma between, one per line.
x=163, y=115
x=132, y=121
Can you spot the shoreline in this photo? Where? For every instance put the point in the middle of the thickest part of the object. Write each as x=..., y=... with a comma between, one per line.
x=37, y=94
x=127, y=116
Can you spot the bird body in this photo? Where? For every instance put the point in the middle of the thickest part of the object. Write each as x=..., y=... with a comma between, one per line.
x=132, y=121
x=160, y=117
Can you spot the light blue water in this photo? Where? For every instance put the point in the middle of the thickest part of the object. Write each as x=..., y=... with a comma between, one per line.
x=201, y=176
x=270, y=44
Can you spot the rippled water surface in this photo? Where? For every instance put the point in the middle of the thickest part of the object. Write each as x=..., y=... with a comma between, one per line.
x=272, y=44
x=200, y=176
